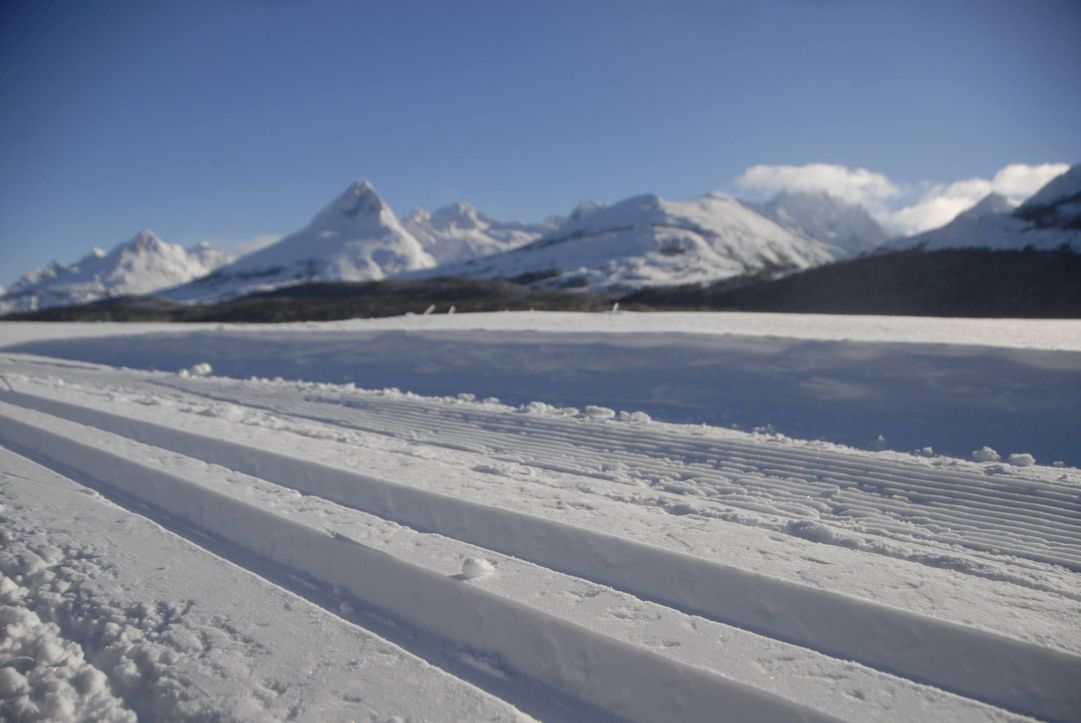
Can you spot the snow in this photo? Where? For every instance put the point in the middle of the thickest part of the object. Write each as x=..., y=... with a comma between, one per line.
x=474, y=567
x=1048, y=221
x=846, y=227
x=1063, y=188
x=141, y=265
x=985, y=454
x=460, y=232
x=1021, y=459
x=342, y=521
x=742, y=370
x=356, y=237
x=646, y=240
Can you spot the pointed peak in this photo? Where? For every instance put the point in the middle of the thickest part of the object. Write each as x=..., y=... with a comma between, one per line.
x=363, y=187
x=992, y=203
x=359, y=199
x=143, y=240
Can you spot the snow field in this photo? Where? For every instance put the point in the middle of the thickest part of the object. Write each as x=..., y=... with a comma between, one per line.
x=1030, y=689
x=626, y=679
x=141, y=622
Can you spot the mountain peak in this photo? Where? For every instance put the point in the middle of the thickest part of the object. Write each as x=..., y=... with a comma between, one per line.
x=822, y=216
x=992, y=203
x=143, y=241
x=460, y=214
x=358, y=200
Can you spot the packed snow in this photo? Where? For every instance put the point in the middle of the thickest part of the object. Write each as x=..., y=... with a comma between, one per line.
x=517, y=516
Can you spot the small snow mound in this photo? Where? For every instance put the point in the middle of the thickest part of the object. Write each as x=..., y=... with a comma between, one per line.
x=924, y=452
x=594, y=412
x=202, y=369
x=635, y=417
x=985, y=454
x=1021, y=459
x=475, y=567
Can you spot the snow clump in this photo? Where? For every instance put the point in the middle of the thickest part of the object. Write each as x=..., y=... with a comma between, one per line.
x=985, y=454
x=475, y=567
x=594, y=412
x=1021, y=459
x=202, y=369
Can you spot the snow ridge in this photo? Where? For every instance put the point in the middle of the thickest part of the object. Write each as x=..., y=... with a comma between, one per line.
x=356, y=237
x=846, y=227
x=460, y=232
x=646, y=240
x=141, y=265
x=1048, y=221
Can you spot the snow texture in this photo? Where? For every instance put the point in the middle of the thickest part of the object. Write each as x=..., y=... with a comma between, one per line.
x=646, y=241
x=460, y=232
x=229, y=546
x=846, y=227
x=1048, y=221
x=141, y=265
x=356, y=237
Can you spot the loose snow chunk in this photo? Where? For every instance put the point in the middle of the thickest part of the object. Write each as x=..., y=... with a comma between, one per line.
x=202, y=369
x=636, y=417
x=1021, y=459
x=475, y=567
x=594, y=412
x=925, y=452
x=985, y=454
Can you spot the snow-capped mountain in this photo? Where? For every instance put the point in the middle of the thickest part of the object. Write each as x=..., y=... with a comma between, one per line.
x=646, y=240
x=847, y=227
x=1056, y=205
x=460, y=232
x=141, y=265
x=1049, y=220
x=355, y=238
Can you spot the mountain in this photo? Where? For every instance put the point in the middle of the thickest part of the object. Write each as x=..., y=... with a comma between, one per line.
x=1056, y=205
x=1049, y=220
x=460, y=232
x=139, y=266
x=355, y=238
x=846, y=227
x=646, y=240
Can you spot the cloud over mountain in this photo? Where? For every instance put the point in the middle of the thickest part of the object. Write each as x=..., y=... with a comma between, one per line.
x=907, y=207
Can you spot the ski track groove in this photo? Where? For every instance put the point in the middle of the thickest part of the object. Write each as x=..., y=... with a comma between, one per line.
x=470, y=615
x=983, y=532
x=57, y=407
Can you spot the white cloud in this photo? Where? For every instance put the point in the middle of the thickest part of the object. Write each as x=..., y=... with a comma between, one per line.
x=941, y=203
x=855, y=185
x=908, y=208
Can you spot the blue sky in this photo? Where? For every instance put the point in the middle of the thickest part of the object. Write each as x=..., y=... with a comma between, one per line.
x=234, y=118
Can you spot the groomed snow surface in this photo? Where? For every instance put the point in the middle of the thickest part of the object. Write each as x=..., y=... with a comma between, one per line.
x=342, y=522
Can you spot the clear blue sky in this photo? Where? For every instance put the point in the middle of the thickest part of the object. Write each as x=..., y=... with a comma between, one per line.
x=231, y=118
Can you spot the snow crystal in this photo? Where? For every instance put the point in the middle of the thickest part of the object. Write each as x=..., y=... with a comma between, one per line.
x=475, y=567
x=985, y=454
x=1021, y=459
